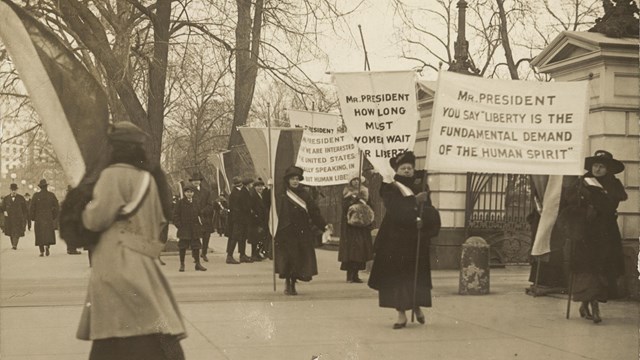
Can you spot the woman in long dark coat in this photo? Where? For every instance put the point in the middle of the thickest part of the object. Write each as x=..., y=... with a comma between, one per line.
x=44, y=212
x=598, y=260
x=295, y=257
x=356, y=247
x=394, y=263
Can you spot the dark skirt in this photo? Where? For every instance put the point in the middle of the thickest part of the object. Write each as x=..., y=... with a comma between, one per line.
x=589, y=287
x=145, y=347
x=352, y=265
x=295, y=257
x=400, y=297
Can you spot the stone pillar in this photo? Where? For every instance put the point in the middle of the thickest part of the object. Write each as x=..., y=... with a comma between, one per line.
x=474, y=267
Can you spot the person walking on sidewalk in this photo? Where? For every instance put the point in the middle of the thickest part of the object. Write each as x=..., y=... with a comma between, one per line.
x=202, y=196
x=16, y=213
x=239, y=221
x=394, y=264
x=44, y=214
x=295, y=257
x=598, y=260
x=186, y=217
x=356, y=247
x=130, y=311
x=27, y=199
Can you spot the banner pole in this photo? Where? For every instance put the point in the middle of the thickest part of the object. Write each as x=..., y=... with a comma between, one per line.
x=272, y=195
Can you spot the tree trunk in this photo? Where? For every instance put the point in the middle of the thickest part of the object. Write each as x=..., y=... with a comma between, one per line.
x=247, y=52
x=504, y=36
x=157, y=79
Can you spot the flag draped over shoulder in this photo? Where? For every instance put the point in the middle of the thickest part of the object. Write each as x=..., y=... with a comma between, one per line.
x=549, y=189
x=72, y=106
x=285, y=143
x=218, y=162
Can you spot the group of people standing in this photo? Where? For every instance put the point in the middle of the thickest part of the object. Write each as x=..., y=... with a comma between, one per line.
x=20, y=212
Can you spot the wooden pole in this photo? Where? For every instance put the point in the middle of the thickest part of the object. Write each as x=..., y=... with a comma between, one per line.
x=272, y=195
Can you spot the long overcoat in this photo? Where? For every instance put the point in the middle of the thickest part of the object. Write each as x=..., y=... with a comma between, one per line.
x=44, y=213
x=295, y=255
x=186, y=219
x=396, y=243
x=239, y=211
x=17, y=211
x=259, y=229
x=127, y=295
x=205, y=203
x=355, y=241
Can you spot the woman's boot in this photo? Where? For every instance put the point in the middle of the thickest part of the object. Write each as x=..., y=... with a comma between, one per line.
x=596, y=312
x=584, y=311
x=355, y=278
x=196, y=256
x=349, y=276
x=287, y=286
x=293, y=287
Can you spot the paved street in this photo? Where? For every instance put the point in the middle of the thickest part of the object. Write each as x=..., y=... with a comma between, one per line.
x=231, y=312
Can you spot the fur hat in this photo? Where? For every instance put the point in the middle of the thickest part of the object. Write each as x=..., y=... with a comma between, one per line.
x=406, y=157
x=294, y=171
x=606, y=158
x=42, y=183
x=125, y=131
x=13, y=186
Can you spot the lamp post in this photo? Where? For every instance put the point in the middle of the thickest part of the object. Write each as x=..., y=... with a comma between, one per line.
x=462, y=63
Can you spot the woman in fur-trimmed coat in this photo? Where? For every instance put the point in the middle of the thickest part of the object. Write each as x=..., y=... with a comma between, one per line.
x=356, y=246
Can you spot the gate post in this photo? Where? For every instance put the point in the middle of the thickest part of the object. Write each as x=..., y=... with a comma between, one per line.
x=474, y=267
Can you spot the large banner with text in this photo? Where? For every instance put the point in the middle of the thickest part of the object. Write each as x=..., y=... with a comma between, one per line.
x=315, y=122
x=380, y=112
x=508, y=126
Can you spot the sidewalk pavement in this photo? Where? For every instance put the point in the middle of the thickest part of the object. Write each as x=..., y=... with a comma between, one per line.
x=232, y=312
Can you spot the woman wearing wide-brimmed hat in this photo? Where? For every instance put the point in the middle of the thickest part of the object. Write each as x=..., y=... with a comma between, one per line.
x=295, y=257
x=597, y=260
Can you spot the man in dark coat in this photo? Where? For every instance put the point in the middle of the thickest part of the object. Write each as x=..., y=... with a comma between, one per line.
x=202, y=197
x=44, y=212
x=259, y=236
x=27, y=198
x=239, y=221
x=187, y=219
x=15, y=210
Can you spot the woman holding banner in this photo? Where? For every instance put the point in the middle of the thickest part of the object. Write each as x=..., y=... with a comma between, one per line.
x=295, y=257
x=356, y=247
x=597, y=260
x=401, y=271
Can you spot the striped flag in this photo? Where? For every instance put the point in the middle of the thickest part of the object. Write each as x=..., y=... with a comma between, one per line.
x=72, y=106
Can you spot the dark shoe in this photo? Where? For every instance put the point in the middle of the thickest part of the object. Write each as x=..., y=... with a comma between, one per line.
x=41, y=254
x=397, y=326
x=200, y=267
x=584, y=311
x=74, y=252
x=14, y=247
x=181, y=268
x=293, y=288
x=355, y=278
x=46, y=251
x=596, y=312
x=349, y=276
x=231, y=260
x=420, y=318
x=245, y=259
x=256, y=258
x=204, y=257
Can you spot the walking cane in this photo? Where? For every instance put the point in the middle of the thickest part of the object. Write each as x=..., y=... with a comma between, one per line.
x=415, y=274
x=571, y=254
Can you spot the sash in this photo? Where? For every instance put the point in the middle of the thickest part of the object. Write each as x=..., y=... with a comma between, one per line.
x=404, y=190
x=297, y=200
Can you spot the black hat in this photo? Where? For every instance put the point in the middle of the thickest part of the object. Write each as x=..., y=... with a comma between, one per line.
x=13, y=186
x=258, y=182
x=406, y=157
x=196, y=176
x=43, y=183
x=247, y=180
x=125, y=131
x=604, y=157
x=237, y=180
x=188, y=187
x=294, y=171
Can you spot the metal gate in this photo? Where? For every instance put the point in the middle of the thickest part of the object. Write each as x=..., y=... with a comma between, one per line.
x=497, y=206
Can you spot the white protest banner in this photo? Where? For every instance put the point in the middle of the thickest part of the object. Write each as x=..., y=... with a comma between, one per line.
x=327, y=159
x=508, y=126
x=315, y=122
x=380, y=112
